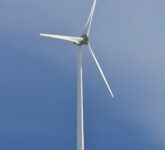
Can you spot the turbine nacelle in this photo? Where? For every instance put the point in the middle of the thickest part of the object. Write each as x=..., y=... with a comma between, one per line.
x=84, y=41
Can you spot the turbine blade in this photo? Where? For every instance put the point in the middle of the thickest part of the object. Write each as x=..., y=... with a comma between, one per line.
x=77, y=40
x=88, y=24
x=102, y=74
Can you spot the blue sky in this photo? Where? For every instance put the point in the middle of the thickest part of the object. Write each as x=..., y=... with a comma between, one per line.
x=38, y=75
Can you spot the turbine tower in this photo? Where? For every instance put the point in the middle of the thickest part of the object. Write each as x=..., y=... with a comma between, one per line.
x=79, y=41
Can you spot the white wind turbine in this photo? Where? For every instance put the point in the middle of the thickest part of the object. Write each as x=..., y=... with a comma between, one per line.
x=79, y=41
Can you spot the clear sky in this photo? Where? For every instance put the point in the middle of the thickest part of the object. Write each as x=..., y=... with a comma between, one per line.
x=38, y=75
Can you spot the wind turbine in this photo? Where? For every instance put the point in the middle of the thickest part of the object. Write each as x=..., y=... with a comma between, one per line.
x=79, y=41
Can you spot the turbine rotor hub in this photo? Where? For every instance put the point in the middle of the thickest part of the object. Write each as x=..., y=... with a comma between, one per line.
x=85, y=40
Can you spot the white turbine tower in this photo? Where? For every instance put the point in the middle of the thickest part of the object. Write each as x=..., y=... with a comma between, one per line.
x=79, y=41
